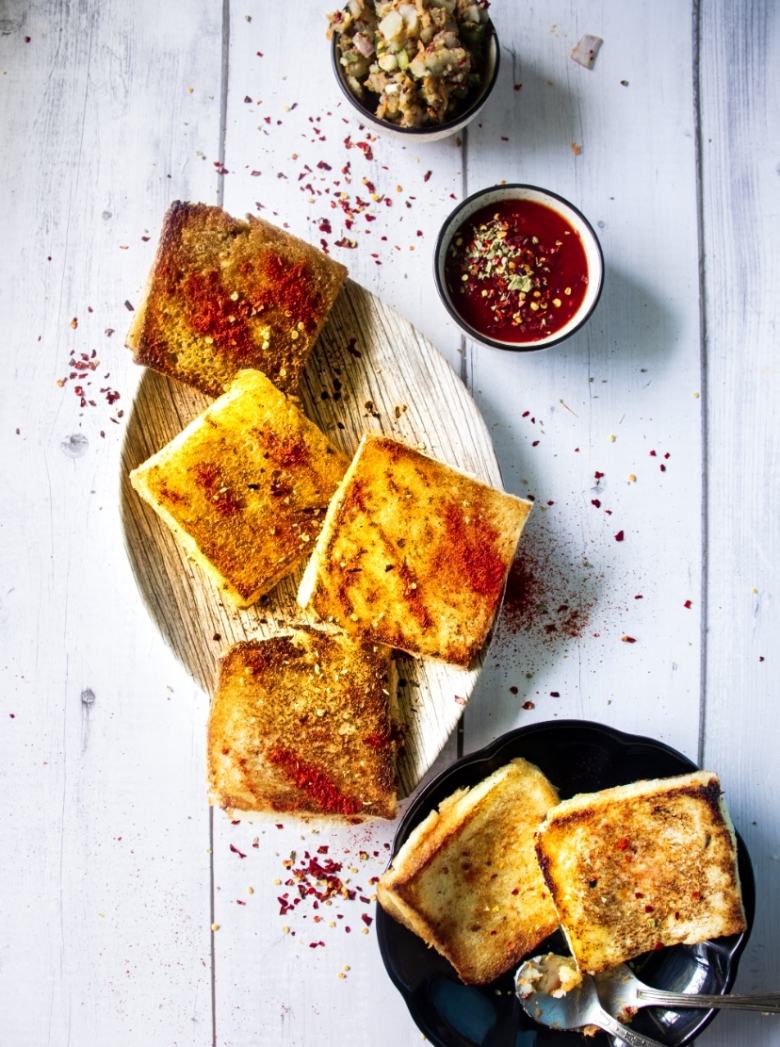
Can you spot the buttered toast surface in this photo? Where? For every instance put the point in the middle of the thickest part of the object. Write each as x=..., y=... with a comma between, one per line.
x=413, y=553
x=226, y=294
x=245, y=486
x=467, y=880
x=641, y=866
x=303, y=723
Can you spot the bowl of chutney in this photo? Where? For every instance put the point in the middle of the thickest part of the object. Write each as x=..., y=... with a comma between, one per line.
x=518, y=267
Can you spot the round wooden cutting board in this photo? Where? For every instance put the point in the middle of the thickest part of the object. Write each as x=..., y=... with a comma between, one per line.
x=371, y=370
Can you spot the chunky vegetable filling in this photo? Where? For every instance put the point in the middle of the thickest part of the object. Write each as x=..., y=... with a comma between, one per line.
x=414, y=64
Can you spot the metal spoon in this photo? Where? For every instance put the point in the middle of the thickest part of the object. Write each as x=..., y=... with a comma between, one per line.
x=579, y=1007
x=622, y=993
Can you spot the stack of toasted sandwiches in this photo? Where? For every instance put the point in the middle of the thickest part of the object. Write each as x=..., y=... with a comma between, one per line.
x=402, y=551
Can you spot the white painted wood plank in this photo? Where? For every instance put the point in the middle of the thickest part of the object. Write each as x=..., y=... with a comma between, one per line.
x=616, y=397
x=104, y=840
x=740, y=103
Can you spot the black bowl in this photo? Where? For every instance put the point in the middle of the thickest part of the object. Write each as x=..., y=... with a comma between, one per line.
x=577, y=756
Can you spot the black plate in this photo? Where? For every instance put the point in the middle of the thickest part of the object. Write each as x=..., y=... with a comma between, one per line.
x=577, y=756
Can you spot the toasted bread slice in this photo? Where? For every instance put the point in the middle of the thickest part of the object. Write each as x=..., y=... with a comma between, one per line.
x=642, y=866
x=467, y=881
x=244, y=487
x=304, y=724
x=224, y=295
x=413, y=553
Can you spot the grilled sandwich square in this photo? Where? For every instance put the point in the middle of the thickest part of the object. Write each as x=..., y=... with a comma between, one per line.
x=467, y=880
x=304, y=724
x=244, y=487
x=224, y=295
x=413, y=553
x=642, y=866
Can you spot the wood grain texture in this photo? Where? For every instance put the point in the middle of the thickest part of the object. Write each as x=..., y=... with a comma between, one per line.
x=104, y=839
x=740, y=122
x=369, y=372
x=573, y=424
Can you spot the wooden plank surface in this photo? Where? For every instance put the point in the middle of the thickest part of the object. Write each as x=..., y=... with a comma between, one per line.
x=104, y=840
x=110, y=112
x=740, y=121
x=572, y=424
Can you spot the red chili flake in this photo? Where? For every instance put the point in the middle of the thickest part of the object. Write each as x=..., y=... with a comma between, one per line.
x=504, y=138
x=259, y=54
x=528, y=705
x=623, y=843
x=517, y=87
x=247, y=99
x=514, y=690
x=323, y=166
x=235, y=850
x=628, y=639
x=427, y=176
x=598, y=475
x=649, y=908
x=535, y=443
x=662, y=467
x=639, y=596
x=129, y=306
x=555, y=694
x=325, y=226
x=619, y=536
x=596, y=502
x=314, y=782
x=761, y=658
x=688, y=604
x=667, y=455
x=525, y=414
x=367, y=920
x=653, y=454
x=315, y=945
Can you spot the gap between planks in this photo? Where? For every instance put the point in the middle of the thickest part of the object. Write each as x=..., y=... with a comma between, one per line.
x=703, y=379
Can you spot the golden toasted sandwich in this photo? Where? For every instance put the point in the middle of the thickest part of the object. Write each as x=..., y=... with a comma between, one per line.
x=304, y=724
x=641, y=866
x=226, y=294
x=467, y=880
x=244, y=487
x=413, y=553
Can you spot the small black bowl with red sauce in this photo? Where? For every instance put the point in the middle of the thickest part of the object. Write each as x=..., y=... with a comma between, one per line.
x=518, y=267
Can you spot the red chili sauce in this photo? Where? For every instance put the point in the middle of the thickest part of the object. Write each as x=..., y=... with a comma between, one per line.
x=516, y=271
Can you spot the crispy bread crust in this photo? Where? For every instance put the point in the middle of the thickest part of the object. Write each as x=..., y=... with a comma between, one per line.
x=245, y=486
x=642, y=866
x=413, y=553
x=302, y=724
x=467, y=881
x=226, y=294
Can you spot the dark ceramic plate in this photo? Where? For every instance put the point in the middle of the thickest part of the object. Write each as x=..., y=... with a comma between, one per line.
x=577, y=756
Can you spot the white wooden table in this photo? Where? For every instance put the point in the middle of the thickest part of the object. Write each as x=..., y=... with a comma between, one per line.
x=112, y=870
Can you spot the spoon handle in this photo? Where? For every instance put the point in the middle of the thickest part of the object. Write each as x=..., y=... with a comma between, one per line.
x=768, y=1003
x=622, y=1032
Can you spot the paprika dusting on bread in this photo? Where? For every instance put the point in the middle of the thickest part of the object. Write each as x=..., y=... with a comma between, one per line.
x=226, y=294
x=289, y=722
x=413, y=553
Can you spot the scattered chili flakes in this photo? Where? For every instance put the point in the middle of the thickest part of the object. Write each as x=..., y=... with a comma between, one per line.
x=620, y=536
x=688, y=604
x=576, y=149
x=529, y=705
x=628, y=639
x=235, y=850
